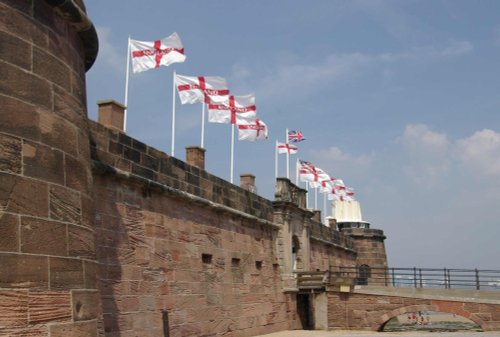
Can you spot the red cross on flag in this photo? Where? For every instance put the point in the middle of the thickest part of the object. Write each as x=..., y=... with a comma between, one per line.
x=201, y=89
x=232, y=109
x=312, y=174
x=287, y=148
x=251, y=129
x=148, y=55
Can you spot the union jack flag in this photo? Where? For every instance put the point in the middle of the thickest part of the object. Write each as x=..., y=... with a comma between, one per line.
x=295, y=136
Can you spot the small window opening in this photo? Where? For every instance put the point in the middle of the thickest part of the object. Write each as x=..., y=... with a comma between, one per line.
x=206, y=258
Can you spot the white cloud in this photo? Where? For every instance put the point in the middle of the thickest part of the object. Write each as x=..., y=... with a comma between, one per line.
x=454, y=48
x=480, y=153
x=287, y=73
x=334, y=161
x=427, y=154
x=107, y=52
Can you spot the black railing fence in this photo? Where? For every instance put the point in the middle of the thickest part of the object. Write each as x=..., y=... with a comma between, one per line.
x=422, y=277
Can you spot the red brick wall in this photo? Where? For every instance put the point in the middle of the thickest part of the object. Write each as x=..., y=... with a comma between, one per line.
x=46, y=231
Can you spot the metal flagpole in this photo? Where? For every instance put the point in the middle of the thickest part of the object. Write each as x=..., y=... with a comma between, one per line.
x=126, y=86
x=316, y=198
x=172, y=152
x=232, y=153
x=324, y=207
x=276, y=161
x=287, y=157
x=307, y=194
x=203, y=125
x=297, y=172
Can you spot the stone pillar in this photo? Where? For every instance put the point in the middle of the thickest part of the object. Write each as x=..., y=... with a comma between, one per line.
x=47, y=255
x=288, y=192
x=111, y=114
x=195, y=156
x=316, y=215
x=247, y=182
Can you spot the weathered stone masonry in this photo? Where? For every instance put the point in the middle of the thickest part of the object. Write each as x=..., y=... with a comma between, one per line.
x=48, y=268
x=102, y=235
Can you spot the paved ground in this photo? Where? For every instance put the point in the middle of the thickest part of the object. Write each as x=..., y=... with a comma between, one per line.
x=301, y=333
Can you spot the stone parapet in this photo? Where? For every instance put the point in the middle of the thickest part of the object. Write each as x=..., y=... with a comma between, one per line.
x=331, y=236
x=117, y=150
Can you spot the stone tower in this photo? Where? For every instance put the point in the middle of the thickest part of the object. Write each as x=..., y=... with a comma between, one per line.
x=47, y=253
x=371, y=258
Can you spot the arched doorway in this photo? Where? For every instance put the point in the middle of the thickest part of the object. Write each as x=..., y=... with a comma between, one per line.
x=364, y=273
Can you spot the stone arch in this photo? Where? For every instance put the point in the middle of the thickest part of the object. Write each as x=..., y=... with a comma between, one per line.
x=429, y=307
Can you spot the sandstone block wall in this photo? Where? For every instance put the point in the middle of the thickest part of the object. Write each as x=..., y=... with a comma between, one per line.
x=352, y=311
x=47, y=255
x=181, y=249
x=115, y=150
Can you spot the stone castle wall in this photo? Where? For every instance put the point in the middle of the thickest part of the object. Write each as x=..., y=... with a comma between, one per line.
x=102, y=235
x=48, y=268
x=176, y=243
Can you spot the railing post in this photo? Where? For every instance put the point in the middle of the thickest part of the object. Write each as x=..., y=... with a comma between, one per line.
x=445, y=282
x=415, y=277
x=449, y=279
x=420, y=276
x=393, y=278
x=477, y=279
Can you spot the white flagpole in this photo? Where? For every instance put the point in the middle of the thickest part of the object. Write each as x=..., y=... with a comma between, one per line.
x=287, y=157
x=324, y=207
x=316, y=198
x=307, y=194
x=232, y=153
x=203, y=125
x=276, y=161
x=126, y=86
x=297, y=172
x=172, y=152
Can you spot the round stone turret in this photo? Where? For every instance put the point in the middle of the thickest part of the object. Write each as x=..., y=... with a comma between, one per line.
x=369, y=243
x=47, y=253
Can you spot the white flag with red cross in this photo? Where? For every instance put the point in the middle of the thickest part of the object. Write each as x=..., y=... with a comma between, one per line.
x=312, y=174
x=201, y=89
x=232, y=109
x=251, y=129
x=153, y=54
x=287, y=148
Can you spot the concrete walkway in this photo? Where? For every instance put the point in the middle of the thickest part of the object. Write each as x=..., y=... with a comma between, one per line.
x=346, y=333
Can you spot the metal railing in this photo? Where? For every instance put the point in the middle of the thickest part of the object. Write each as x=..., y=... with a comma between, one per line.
x=424, y=277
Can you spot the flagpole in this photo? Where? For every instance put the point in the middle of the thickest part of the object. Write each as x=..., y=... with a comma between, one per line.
x=126, y=86
x=324, y=208
x=276, y=161
x=287, y=157
x=203, y=125
x=172, y=152
x=316, y=198
x=307, y=194
x=232, y=153
x=297, y=171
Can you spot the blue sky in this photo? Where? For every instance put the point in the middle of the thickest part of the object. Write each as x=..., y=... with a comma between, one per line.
x=400, y=99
